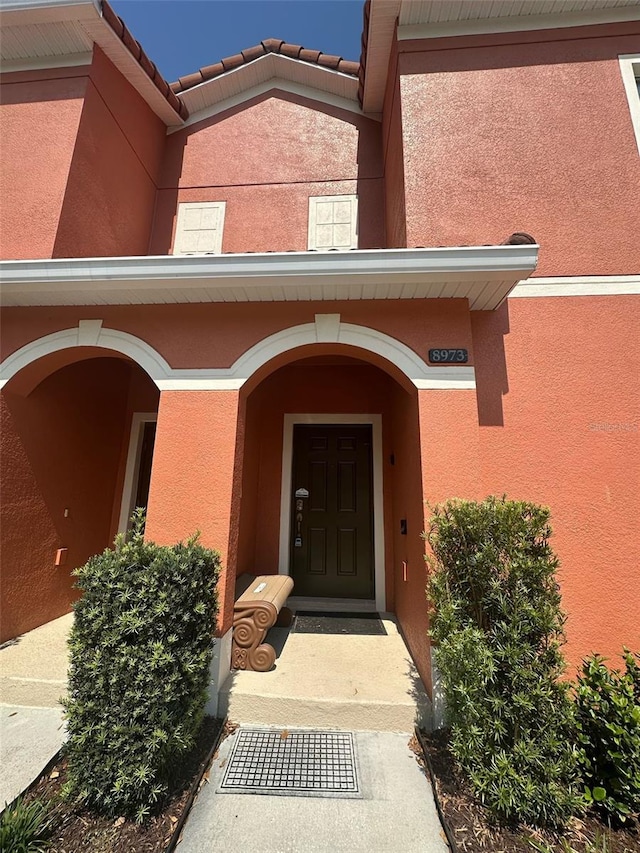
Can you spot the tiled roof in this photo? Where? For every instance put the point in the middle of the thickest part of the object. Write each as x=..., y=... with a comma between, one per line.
x=293, y=51
x=120, y=29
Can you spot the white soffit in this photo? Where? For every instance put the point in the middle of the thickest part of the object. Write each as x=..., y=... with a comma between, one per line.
x=263, y=74
x=437, y=18
x=484, y=275
x=33, y=33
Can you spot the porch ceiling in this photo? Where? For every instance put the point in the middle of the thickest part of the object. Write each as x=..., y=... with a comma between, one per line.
x=485, y=275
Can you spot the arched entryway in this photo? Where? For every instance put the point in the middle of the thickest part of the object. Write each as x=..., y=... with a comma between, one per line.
x=344, y=421
x=77, y=440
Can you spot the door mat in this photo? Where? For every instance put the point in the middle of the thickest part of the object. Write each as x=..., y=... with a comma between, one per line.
x=317, y=622
x=292, y=763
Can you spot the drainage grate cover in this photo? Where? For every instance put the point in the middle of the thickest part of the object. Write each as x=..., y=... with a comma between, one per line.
x=298, y=763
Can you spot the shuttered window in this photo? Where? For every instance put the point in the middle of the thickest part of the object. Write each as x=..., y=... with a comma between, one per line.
x=199, y=228
x=333, y=222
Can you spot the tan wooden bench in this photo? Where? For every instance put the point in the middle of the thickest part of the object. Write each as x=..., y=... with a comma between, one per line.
x=259, y=605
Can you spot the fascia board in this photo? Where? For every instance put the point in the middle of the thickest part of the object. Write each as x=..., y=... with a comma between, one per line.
x=464, y=259
x=240, y=84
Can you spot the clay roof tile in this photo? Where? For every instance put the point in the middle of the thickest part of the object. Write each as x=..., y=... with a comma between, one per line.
x=270, y=45
x=149, y=68
x=231, y=62
x=309, y=55
x=255, y=52
x=191, y=80
x=210, y=71
x=290, y=50
x=329, y=61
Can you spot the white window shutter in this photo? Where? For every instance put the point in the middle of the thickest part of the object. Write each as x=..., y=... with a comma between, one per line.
x=199, y=228
x=333, y=222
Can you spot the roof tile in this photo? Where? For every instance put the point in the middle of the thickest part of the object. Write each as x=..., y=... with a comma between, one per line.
x=309, y=55
x=210, y=71
x=254, y=52
x=231, y=62
x=117, y=25
x=291, y=50
x=348, y=67
x=271, y=45
x=329, y=61
x=191, y=80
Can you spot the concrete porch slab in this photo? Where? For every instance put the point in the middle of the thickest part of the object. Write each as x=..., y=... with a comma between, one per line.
x=33, y=667
x=332, y=681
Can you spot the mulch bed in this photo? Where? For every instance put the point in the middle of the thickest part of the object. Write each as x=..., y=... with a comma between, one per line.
x=79, y=831
x=472, y=832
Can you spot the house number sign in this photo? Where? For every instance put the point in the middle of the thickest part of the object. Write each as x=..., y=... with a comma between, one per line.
x=448, y=356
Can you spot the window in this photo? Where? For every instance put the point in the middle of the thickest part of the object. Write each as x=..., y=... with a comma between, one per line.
x=630, y=68
x=199, y=228
x=333, y=222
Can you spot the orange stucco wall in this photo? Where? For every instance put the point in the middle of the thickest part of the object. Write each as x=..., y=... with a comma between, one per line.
x=216, y=335
x=111, y=188
x=63, y=448
x=265, y=159
x=40, y=114
x=524, y=131
x=559, y=397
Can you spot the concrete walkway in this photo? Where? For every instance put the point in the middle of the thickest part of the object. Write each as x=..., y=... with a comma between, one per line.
x=33, y=677
x=29, y=737
x=397, y=811
x=33, y=667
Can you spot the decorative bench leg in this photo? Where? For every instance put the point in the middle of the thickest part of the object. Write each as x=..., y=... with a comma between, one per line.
x=249, y=630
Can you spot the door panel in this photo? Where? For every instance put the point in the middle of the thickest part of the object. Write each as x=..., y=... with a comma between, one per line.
x=331, y=550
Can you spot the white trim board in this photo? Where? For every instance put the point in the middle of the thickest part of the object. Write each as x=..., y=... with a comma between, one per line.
x=482, y=274
x=585, y=285
x=132, y=469
x=378, y=491
x=327, y=328
x=275, y=85
x=630, y=70
x=71, y=60
x=517, y=23
x=269, y=71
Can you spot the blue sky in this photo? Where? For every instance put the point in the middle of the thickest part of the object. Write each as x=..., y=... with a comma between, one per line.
x=180, y=36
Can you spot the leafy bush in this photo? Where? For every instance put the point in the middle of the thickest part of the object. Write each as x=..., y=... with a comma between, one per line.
x=141, y=647
x=24, y=828
x=608, y=703
x=498, y=627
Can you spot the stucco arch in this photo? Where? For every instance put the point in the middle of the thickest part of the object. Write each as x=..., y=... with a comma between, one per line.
x=88, y=333
x=327, y=328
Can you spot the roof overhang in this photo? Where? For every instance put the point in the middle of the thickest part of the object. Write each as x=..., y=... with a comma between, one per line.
x=55, y=33
x=272, y=71
x=425, y=19
x=485, y=275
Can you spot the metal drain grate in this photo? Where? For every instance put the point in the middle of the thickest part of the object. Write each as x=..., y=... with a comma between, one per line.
x=300, y=763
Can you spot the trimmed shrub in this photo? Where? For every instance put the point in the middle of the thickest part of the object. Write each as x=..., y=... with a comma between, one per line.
x=141, y=647
x=608, y=704
x=25, y=827
x=498, y=627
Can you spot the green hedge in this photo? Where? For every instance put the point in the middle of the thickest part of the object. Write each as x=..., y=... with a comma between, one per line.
x=498, y=629
x=141, y=648
x=608, y=704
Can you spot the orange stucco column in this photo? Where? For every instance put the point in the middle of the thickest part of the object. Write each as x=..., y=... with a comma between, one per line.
x=196, y=478
x=449, y=445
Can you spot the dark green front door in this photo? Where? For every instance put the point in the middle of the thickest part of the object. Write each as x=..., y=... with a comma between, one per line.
x=332, y=511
